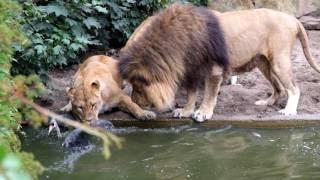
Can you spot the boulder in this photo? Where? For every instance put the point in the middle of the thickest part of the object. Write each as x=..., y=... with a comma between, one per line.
x=311, y=21
x=294, y=7
x=307, y=11
x=306, y=7
x=227, y=5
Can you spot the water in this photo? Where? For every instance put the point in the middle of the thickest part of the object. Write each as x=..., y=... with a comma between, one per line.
x=186, y=153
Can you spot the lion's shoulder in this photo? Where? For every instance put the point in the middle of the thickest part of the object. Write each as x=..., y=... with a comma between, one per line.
x=99, y=67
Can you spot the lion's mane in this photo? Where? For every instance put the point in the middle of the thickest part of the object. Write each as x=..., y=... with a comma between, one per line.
x=177, y=46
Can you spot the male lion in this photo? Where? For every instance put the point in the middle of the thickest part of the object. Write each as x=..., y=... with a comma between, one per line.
x=264, y=38
x=179, y=46
x=185, y=45
x=97, y=88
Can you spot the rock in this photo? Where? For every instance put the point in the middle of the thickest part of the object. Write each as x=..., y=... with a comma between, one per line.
x=57, y=84
x=294, y=7
x=310, y=23
x=227, y=5
x=308, y=11
x=306, y=7
x=45, y=99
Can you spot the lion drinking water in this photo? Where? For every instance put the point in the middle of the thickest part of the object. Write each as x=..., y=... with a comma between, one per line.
x=97, y=88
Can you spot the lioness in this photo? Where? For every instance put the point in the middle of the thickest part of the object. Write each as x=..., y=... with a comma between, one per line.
x=97, y=88
x=185, y=45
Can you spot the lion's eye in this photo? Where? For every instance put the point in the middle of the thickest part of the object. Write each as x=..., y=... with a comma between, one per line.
x=93, y=105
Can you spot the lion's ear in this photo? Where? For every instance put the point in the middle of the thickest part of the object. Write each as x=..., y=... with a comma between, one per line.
x=95, y=84
x=70, y=91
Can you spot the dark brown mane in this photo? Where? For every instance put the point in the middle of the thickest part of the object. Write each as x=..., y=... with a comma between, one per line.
x=181, y=44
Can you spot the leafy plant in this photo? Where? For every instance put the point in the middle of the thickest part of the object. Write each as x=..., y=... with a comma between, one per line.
x=14, y=164
x=62, y=31
x=16, y=94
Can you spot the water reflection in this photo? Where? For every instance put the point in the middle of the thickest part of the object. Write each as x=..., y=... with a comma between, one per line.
x=189, y=153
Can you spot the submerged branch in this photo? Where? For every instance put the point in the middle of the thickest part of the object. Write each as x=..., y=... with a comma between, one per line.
x=107, y=138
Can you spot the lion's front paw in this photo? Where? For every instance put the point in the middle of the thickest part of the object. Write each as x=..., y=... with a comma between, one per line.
x=201, y=116
x=181, y=112
x=288, y=112
x=147, y=115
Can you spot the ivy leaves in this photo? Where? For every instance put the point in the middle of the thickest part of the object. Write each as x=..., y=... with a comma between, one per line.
x=92, y=22
x=62, y=31
x=58, y=10
x=14, y=164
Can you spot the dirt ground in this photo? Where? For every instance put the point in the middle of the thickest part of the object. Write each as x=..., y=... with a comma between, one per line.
x=234, y=100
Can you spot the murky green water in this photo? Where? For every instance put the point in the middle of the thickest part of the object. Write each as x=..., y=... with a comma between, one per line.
x=187, y=153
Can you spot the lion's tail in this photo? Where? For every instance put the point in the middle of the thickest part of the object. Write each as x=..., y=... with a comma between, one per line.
x=303, y=37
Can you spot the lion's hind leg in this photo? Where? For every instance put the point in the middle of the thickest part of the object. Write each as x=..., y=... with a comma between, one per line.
x=264, y=67
x=281, y=66
x=212, y=87
x=188, y=109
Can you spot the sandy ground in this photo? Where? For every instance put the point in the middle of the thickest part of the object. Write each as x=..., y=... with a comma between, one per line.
x=234, y=100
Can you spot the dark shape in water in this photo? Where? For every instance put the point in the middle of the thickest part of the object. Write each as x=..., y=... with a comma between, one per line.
x=58, y=127
x=79, y=138
x=76, y=138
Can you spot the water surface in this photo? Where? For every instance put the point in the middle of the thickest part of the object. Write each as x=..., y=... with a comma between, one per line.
x=186, y=153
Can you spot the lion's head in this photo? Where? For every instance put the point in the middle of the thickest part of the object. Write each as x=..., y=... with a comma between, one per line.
x=93, y=85
x=146, y=92
x=176, y=47
x=86, y=100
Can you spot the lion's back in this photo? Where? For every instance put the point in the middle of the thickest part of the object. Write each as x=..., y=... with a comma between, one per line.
x=100, y=67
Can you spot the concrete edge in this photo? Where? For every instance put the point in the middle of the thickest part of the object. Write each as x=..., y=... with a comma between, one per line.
x=272, y=122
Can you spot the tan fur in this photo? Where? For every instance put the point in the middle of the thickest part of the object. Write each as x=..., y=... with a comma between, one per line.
x=264, y=38
x=261, y=38
x=97, y=88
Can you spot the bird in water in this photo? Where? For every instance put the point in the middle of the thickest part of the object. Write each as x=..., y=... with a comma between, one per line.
x=53, y=125
x=77, y=137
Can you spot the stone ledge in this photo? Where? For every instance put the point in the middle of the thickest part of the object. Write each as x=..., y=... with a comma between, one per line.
x=272, y=122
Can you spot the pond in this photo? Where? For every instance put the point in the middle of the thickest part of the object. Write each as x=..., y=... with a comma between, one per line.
x=186, y=152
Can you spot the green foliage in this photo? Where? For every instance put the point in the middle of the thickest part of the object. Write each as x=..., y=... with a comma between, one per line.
x=59, y=31
x=13, y=163
x=62, y=31
x=11, y=166
x=30, y=165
